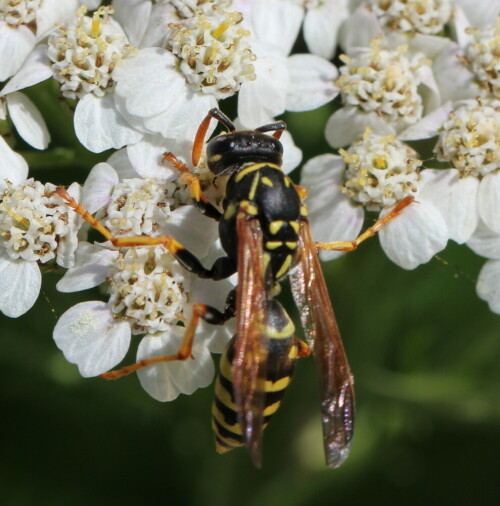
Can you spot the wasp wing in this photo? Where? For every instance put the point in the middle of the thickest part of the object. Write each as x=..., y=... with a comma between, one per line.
x=320, y=327
x=251, y=344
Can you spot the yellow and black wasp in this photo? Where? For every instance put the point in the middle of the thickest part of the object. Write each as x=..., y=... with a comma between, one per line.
x=265, y=233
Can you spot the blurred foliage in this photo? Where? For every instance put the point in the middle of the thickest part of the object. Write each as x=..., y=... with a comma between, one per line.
x=423, y=348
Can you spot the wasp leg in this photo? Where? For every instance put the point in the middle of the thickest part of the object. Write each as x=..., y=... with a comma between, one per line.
x=303, y=349
x=302, y=191
x=207, y=313
x=222, y=268
x=199, y=198
x=346, y=246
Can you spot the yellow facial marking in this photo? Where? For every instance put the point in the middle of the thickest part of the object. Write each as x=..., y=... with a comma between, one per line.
x=287, y=182
x=215, y=158
x=267, y=181
x=275, y=226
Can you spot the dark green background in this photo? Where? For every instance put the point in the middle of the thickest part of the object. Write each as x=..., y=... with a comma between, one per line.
x=423, y=348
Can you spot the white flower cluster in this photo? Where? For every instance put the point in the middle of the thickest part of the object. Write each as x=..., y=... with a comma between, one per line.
x=140, y=76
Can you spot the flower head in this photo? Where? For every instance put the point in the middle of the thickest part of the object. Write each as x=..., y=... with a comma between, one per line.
x=36, y=224
x=470, y=139
x=214, y=52
x=413, y=16
x=86, y=51
x=483, y=58
x=380, y=171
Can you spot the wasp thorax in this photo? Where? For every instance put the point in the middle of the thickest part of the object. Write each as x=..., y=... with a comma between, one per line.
x=228, y=152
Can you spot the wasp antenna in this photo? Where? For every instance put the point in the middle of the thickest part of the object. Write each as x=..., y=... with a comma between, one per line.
x=202, y=131
x=278, y=127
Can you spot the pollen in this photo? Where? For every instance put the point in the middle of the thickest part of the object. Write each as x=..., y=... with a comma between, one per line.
x=470, y=138
x=384, y=81
x=214, y=51
x=85, y=52
x=380, y=171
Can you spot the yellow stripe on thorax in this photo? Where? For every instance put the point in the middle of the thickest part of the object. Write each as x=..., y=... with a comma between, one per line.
x=252, y=168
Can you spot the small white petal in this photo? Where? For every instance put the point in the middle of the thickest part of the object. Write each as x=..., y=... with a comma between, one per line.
x=92, y=267
x=311, y=82
x=98, y=187
x=34, y=70
x=90, y=337
x=415, y=236
x=331, y=214
x=454, y=197
x=481, y=14
x=488, y=201
x=28, y=120
x=292, y=155
x=146, y=157
x=149, y=82
x=428, y=126
x=15, y=45
x=339, y=220
x=213, y=293
x=349, y=123
x=191, y=229
x=277, y=22
x=133, y=16
x=321, y=26
x=182, y=119
x=52, y=12
x=99, y=126
x=359, y=29
x=21, y=282
x=488, y=284
x=165, y=381
x=121, y=163
x=485, y=242
x=321, y=169
x=454, y=79
x=264, y=98
x=13, y=166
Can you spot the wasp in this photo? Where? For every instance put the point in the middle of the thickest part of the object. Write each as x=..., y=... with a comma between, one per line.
x=265, y=233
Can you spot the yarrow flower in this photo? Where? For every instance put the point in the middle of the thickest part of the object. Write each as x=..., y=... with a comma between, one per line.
x=36, y=227
x=169, y=91
x=412, y=16
x=374, y=174
x=470, y=140
x=214, y=59
x=149, y=292
x=382, y=88
x=22, y=24
x=483, y=57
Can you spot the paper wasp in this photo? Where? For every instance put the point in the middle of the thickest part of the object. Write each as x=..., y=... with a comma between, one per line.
x=265, y=233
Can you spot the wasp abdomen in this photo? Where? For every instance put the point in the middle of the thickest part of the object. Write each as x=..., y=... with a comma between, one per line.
x=280, y=362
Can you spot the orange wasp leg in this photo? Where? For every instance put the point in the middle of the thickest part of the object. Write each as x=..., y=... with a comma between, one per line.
x=183, y=353
x=186, y=177
x=168, y=241
x=303, y=349
x=346, y=246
